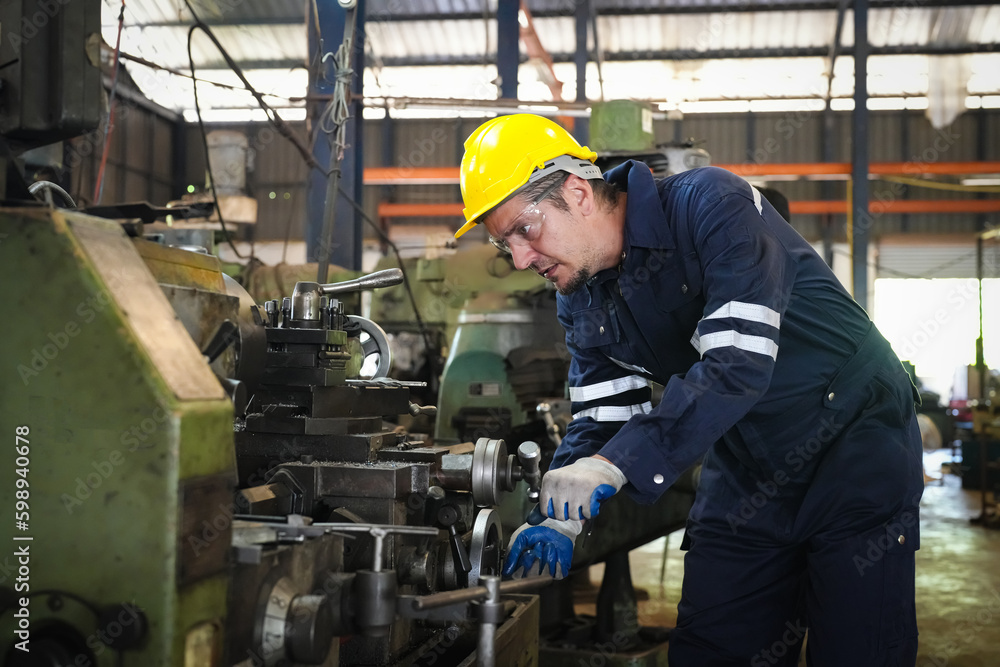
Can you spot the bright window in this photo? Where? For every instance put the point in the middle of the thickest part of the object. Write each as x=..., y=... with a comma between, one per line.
x=934, y=325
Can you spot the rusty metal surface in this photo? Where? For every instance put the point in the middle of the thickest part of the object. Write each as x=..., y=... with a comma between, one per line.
x=173, y=266
x=148, y=312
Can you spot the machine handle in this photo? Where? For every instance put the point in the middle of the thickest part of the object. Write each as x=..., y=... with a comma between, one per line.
x=224, y=336
x=462, y=563
x=386, y=278
x=535, y=516
x=529, y=454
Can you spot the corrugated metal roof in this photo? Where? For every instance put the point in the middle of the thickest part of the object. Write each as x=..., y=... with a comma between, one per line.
x=629, y=30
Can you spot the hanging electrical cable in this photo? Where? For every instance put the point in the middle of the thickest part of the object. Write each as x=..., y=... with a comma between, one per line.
x=333, y=123
x=204, y=143
x=309, y=159
x=272, y=116
x=109, y=126
x=424, y=333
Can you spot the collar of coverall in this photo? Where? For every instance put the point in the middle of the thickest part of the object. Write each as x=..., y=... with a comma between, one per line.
x=645, y=222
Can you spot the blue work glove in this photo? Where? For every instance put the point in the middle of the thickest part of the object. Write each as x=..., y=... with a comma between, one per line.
x=576, y=491
x=550, y=543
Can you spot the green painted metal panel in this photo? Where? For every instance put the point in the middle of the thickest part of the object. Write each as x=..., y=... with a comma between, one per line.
x=111, y=442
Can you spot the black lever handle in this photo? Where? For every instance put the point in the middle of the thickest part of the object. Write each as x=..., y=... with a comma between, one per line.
x=224, y=336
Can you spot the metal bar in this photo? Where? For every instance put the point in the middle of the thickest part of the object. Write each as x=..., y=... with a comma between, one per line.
x=859, y=158
x=904, y=149
x=448, y=598
x=581, y=128
x=835, y=170
x=741, y=6
x=486, y=652
x=524, y=585
x=619, y=56
x=461, y=595
x=354, y=182
x=827, y=140
x=982, y=143
x=801, y=207
x=333, y=178
x=397, y=210
x=535, y=49
x=508, y=51
x=900, y=206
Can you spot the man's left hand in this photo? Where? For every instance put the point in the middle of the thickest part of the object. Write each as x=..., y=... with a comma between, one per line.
x=576, y=491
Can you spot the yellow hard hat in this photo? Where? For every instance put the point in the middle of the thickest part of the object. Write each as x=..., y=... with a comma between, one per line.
x=502, y=154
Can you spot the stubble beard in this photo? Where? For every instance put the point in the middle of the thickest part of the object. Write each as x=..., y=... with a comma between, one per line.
x=576, y=282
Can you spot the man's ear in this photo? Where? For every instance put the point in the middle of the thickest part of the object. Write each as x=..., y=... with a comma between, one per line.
x=578, y=194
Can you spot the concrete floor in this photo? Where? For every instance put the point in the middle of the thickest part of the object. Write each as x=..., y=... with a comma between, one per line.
x=958, y=578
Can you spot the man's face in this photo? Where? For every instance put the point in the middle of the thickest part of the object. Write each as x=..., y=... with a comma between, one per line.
x=551, y=242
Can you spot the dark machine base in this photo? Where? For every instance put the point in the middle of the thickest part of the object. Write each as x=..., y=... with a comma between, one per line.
x=648, y=649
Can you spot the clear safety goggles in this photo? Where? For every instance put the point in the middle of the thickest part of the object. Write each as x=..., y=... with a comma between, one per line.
x=527, y=225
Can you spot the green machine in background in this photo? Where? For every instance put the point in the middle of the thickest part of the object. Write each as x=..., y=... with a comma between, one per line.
x=506, y=357
x=441, y=285
x=496, y=327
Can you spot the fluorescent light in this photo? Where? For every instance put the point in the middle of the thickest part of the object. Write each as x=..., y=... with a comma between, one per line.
x=786, y=105
x=917, y=103
x=842, y=104
x=991, y=101
x=886, y=103
x=973, y=102
x=291, y=114
x=717, y=106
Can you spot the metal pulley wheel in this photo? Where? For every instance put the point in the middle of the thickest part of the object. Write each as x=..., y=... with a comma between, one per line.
x=490, y=472
x=376, y=343
x=484, y=550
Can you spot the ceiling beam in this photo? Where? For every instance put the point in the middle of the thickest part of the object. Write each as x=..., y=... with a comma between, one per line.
x=719, y=7
x=679, y=54
x=715, y=7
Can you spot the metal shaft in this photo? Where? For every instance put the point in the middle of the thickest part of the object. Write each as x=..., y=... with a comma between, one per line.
x=486, y=652
x=386, y=278
x=460, y=595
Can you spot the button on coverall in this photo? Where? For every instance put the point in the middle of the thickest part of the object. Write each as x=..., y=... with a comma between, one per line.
x=806, y=515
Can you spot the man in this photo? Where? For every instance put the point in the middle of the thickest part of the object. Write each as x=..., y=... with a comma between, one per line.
x=806, y=512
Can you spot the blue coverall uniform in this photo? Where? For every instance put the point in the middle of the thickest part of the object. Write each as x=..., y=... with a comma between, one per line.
x=807, y=510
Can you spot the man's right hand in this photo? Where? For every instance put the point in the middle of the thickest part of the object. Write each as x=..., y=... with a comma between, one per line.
x=549, y=543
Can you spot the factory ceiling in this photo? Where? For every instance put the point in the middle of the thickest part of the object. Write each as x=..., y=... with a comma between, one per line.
x=674, y=54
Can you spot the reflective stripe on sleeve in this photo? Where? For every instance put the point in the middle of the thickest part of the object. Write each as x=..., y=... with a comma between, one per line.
x=757, y=344
x=614, y=413
x=592, y=392
x=751, y=312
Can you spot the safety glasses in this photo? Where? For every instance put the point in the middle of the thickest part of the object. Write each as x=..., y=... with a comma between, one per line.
x=527, y=225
